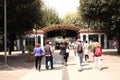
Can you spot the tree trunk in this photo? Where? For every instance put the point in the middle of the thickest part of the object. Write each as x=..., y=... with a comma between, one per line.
x=118, y=45
x=11, y=44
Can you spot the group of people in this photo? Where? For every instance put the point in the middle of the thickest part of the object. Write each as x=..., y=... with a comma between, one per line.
x=39, y=52
x=82, y=50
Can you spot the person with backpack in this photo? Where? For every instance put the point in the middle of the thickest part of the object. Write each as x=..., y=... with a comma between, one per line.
x=78, y=51
x=48, y=55
x=97, y=56
x=38, y=56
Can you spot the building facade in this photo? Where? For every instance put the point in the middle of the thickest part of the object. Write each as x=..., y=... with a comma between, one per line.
x=41, y=36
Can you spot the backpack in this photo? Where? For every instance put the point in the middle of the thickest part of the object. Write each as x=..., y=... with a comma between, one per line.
x=62, y=47
x=79, y=48
x=47, y=49
x=98, y=51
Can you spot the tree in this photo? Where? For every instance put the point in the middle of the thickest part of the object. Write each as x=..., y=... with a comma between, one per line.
x=72, y=19
x=102, y=14
x=22, y=15
x=50, y=17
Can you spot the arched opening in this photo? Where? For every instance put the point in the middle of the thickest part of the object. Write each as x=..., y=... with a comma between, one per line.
x=84, y=37
x=58, y=32
x=63, y=33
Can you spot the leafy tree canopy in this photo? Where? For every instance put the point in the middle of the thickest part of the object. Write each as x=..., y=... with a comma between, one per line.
x=22, y=15
x=101, y=14
x=73, y=19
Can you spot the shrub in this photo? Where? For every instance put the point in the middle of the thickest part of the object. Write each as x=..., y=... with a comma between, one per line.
x=30, y=49
x=91, y=47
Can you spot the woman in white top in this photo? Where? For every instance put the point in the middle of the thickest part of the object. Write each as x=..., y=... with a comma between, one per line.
x=86, y=51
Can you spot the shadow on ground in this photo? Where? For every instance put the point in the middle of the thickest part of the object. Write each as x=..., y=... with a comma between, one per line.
x=111, y=53
x=20, y=61
x=15, y=61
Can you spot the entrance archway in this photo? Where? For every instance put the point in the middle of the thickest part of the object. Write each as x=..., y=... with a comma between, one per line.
x=56, y=33
x=61, y=30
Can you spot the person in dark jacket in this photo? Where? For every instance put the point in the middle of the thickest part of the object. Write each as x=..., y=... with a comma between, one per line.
x=63, y=53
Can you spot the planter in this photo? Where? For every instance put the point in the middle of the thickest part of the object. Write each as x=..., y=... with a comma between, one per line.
x=23, y=51
x=31, y=58
x=30, y=52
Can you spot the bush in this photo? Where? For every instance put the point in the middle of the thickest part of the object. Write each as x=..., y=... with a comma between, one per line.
x=22, y=47
x=30, y=49
x=91, y=47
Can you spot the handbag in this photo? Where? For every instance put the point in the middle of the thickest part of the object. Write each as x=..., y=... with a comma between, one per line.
x=66, y=55
x=67, y=50
x=43, y=54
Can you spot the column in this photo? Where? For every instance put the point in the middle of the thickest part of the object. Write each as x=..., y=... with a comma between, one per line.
x=87, y=37
x=41, y=39
x=105, y=41
x=18, y=44
x=99, y=38
x=36, y=39
x=81, y=37
x=24, y=43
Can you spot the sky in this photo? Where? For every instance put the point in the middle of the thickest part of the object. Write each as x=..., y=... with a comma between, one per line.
x=63, y=6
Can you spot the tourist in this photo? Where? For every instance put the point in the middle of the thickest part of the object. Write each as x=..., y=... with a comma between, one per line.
x=86, y=51
x=97, y=56
x=48, y=55
x=38, y=53
x=78, y=51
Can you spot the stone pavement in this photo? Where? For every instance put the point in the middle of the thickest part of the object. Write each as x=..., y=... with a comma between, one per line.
x=110, y=71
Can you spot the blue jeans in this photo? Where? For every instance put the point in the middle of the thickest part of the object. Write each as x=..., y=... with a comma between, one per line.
x=49, y=58
x=79, y=60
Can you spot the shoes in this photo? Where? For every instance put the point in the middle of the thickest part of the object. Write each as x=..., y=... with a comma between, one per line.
x=80, y=69
x=65, y=64
x=39, y=69
x=85, y=62
x=100, y=69
x=52, y=68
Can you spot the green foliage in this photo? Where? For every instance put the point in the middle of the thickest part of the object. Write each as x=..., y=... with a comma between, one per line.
x=22, y=48
x=30, y=49
x=72, y=19
x=21, y=15
x=50, y=17
x=91, y=47
x=101, y=14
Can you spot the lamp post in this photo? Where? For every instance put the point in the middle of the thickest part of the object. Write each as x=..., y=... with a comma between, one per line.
x=87, y=32
x=36, y=38
x=5, y=32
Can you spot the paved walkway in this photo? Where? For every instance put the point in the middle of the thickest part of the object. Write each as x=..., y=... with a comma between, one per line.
x=110, y=71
